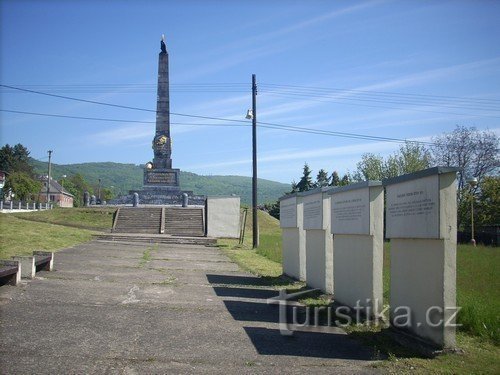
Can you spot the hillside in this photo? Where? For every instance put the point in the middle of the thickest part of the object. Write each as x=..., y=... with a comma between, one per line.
x=125, y=177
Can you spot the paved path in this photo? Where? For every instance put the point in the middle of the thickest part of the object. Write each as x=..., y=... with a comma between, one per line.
x=107, y=308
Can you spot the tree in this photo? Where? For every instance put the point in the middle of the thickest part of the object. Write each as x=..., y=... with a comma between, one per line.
x=346, y=180
x=107, y=194
x=305, y=182
x=411, y=157
x=273, y=209
x=371, y=167
x=15, y=159
x=488, y=202
x=322, y=179
x=334, y=179
x=475, y=152
x=22, y=185
x=77, y=185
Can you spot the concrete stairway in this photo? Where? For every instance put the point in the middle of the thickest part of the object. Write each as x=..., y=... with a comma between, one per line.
x=184, y=221
x=155, y=238
x=173, y=221
x=138, y=220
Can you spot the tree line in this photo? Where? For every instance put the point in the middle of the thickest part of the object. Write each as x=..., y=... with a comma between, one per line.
x=475, y=152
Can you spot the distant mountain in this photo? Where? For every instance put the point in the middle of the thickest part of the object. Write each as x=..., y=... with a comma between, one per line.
x=125, y=177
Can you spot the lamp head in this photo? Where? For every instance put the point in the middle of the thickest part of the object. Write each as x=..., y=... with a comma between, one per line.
x=249, y=115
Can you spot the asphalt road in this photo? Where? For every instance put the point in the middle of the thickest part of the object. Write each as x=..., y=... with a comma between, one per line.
x=110, y=308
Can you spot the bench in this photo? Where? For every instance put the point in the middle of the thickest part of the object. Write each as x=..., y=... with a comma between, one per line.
x=40, y=260
x=10, y=272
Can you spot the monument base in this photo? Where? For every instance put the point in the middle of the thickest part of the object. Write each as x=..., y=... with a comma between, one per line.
x=162, y=196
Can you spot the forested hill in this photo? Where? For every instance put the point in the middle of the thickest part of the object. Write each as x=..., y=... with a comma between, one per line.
x=125, y=177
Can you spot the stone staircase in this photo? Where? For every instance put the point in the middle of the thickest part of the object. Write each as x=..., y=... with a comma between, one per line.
x=172, y=221
x=138, y=220
x=184, y=221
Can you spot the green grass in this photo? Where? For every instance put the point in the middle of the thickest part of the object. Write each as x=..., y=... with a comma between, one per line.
x=21, y=237
x=478, y=293
x=95, y=218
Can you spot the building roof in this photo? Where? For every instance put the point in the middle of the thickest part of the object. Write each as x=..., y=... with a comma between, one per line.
x=55, y=187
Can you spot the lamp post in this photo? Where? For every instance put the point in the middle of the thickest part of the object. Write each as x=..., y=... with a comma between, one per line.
x=62, y=180
x=252, y=114
x=472, y=183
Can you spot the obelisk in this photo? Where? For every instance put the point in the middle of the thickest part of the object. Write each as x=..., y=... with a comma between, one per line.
x=163, y=154
x=159, y=173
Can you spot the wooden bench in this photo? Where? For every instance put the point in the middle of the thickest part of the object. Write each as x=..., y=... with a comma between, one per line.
x=44, y=260
x=10, y=272
x=30, y=264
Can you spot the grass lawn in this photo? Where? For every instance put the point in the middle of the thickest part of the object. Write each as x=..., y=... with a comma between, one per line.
x=95, y=218
x=21, y=237
x=478, y=293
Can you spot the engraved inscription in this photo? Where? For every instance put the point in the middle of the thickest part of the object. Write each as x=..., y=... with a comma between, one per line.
x=288, y=213
x=350, y=212
x=411, y=204
x=412, y=209
x=313, y=212
x=161, y=178
x=312, y=209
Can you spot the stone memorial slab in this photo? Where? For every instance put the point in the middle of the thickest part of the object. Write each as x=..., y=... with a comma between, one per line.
x=413, y=208
x=288, y=212
x=421, y=219
x=313, y=211
x=350, y=210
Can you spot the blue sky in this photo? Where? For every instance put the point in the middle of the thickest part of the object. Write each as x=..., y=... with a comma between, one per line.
x=433, y=50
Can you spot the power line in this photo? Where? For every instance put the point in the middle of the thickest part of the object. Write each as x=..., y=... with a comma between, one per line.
x=388, y=107
x=268, y=125
x=347, y=91
x=291, y=128
x=338, y=97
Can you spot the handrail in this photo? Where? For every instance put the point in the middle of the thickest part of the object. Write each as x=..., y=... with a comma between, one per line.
x=162, y=221
x=115, y=219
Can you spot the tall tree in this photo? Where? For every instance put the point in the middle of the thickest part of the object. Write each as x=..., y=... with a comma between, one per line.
x=335, y=179
x=305, y=182
x=322, y=178
x=411, y=157
x=475, y=152
x=346, y=180
x=488, y=202
x=15, y=159
x=371, y=167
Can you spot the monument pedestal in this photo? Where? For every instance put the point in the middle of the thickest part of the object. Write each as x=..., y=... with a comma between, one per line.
x=319, y=240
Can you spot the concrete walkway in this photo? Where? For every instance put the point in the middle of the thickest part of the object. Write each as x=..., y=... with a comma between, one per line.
x=110, y=308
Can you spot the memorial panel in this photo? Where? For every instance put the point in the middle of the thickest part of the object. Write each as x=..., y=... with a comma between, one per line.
x=412, y=209
x=350, y=212
x=313, y=211
x=288, y=212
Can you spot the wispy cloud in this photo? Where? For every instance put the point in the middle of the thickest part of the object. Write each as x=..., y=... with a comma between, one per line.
x=250, y=52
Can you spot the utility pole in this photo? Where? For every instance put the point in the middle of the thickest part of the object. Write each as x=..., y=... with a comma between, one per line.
x=254, y=159
x=48, y=177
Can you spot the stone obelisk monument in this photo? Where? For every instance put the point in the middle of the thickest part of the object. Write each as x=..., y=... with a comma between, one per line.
x=159, y=173
x=161, y=181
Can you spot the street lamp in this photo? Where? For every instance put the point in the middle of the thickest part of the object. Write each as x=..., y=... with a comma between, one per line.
x=472, y=183
x=62, y=180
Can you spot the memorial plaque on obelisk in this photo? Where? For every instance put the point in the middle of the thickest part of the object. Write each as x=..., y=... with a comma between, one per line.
x=159, y=172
